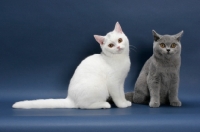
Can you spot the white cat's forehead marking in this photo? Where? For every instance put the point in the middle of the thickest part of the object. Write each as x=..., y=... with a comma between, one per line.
x=113, y=36
x=108, y=35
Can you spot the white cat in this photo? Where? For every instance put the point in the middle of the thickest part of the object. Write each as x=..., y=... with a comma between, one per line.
x=97, y=77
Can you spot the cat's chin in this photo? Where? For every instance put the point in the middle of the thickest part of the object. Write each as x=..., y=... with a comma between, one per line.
x=120, y=51
x=169, y=55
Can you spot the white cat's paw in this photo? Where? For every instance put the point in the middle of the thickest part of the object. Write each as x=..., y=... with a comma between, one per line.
x=176, y=103
x=128, y=103
x=106, y=105
x=122, y=104
x=154, y=104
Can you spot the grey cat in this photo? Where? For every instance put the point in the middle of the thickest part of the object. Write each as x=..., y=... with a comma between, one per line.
x=158, y=81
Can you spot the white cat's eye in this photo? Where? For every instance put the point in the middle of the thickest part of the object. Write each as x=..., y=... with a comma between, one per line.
x=120, y=40
x=173, y=45
x=162, y=45
x=110, y=45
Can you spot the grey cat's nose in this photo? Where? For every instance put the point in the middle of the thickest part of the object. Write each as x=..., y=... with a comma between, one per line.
x=168, y=50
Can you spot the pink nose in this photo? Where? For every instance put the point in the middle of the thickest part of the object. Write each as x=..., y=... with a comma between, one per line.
x=118, y=47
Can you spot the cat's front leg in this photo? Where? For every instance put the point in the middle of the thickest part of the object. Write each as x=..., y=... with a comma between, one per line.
x=173, y=91
x=123, y=95
x=154, y=89
x=115, y=93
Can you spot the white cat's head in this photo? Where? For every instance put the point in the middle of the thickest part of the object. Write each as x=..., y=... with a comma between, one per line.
x=114, y=42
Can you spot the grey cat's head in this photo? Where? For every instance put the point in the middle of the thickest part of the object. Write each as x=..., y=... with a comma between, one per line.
x=167, y=46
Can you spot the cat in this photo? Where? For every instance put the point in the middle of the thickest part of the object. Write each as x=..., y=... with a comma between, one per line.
x=158, y=80
x=97, y=77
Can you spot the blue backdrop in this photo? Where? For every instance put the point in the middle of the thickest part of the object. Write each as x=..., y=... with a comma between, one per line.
x=43, y=41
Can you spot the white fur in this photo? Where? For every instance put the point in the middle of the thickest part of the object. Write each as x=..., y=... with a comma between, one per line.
x=97, y=77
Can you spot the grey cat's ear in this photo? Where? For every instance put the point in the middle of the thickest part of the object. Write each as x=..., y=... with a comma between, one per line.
x=99, y=39
x=156, y=36
x=118, y=28
x=179, y=35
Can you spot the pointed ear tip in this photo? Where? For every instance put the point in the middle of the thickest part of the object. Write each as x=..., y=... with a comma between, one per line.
x=98, y=36
x=153, y=32
x=117, y=23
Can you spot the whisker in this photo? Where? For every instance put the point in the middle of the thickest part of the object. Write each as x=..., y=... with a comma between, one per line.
x=133, y=49
x=132, y=46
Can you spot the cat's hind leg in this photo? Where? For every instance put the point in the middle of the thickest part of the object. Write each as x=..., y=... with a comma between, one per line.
x=141, y=92
x=140, y=98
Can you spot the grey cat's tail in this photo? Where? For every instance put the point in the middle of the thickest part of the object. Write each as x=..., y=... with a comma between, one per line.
x=45, y=103
x=129, y=96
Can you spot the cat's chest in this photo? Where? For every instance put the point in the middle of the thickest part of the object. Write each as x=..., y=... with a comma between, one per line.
x=167, y=68
x=119, y=67
x=167, y=71
x=120, y=64
x=168, y=74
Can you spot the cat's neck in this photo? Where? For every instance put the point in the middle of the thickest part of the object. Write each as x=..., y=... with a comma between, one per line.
x=125, y=54
x=115, y=60
x=175, y=60
x=113, y=56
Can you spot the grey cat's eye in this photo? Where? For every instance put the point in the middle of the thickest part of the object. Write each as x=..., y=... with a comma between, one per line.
x=162, y=45
x=173, y=45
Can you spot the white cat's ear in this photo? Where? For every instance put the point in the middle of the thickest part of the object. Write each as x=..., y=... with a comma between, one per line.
x=99, y=39
x=156, y=36
x=118, y=28
x=179, y=35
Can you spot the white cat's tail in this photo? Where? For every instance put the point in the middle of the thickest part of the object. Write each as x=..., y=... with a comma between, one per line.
x=45, y=103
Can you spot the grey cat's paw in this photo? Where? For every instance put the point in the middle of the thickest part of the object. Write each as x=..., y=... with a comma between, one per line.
x=176, y=103
x=154, y=104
